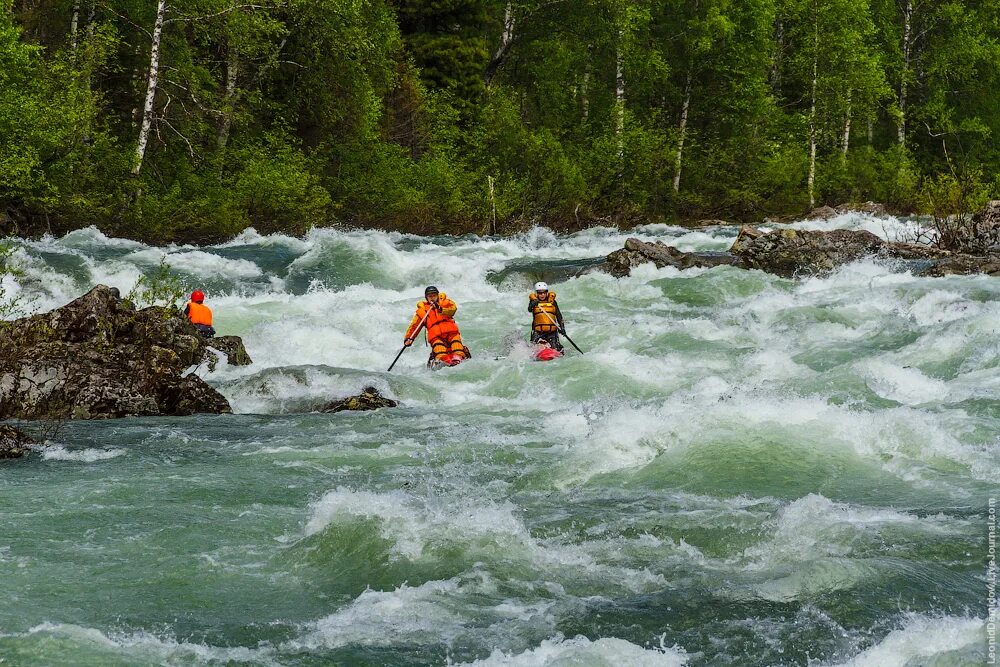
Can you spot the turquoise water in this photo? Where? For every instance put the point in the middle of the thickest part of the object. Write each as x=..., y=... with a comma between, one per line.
x=741, y=470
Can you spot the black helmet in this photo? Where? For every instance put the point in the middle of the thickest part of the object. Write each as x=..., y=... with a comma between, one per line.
x=430, y=290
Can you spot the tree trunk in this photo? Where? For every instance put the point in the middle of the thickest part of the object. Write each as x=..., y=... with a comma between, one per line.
x=154, y=73
x=232, y=72
x=812, y=121
x=74, y=22
x=847, y=127
x=506, y=40
x=585, y=92
x=682, y=127
x=620, y=94
x=779, y=51
x=907, y=46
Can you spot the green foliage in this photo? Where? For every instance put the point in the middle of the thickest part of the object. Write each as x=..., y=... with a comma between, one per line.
x=400, y=113
x=162, y=287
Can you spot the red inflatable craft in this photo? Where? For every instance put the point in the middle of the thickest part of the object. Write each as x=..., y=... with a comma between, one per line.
x=547, y=354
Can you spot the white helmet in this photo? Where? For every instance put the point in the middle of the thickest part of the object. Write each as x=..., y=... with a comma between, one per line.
x=541, y=286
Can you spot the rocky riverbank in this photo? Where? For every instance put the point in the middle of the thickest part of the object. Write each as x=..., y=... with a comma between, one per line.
x=791, y=252
x=98, y=357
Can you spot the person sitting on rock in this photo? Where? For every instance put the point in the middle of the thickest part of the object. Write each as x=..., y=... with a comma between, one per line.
x=441, y=331
x=199, y=314
x=547, y=321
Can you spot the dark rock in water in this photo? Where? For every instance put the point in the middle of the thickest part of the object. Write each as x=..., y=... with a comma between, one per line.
x=13, y=442
x=369, y=399
x=823, y=213
x=869, y=207
x=232, y=347
x=97, y=357
x=788, y=252
x=635, y=253
x=960, y=264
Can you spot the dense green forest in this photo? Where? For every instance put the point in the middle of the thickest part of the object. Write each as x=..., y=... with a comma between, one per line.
x=170, y=120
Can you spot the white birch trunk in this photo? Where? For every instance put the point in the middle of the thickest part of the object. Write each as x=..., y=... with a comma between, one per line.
x=620, y=94
x=682, y=127
x=232, y=72
x=154, y=73
x=846, y=144
x=506, y=39
x=812, y=123
x=73, y=24
x=907, y=33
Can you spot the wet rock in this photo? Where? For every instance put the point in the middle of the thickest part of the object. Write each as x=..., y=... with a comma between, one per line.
x=960, y=264
x=232, y=347
x=636, y=253
x=869, y=207
x=369, y=399
x=14, y=443
x=790, y=252
x=97, y=358
x=823, y=213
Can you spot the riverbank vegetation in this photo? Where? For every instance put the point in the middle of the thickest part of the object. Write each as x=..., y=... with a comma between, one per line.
x=190, y=121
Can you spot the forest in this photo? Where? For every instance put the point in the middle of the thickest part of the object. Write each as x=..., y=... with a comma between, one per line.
x=189, y=121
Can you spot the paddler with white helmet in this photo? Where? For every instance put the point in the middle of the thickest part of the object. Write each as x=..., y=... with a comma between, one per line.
x=547, y=321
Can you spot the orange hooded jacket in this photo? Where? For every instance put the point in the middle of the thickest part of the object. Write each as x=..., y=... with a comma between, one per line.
x=440, y=322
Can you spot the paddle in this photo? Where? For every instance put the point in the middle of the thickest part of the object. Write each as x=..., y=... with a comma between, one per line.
x=563, y=332
x=415, y=332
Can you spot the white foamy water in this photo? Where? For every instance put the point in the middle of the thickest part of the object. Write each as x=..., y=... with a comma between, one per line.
x=740, y=468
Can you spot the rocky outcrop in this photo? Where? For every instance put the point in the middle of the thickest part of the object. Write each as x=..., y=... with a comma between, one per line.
x=635, y=253
x=14, y=443
x=790, y=252
x=97, y=357
x=960, y=264
x=869, y=207
x=369, y=399
x=232, y=347
x=823, y=213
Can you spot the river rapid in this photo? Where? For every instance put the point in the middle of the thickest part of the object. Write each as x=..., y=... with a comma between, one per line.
x=741, y=469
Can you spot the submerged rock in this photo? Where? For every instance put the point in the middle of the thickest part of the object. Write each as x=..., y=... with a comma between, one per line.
x=635, y=253
x=369, y=399
x=97, y=357
x=13, y=442
x=789, y=252
x=232, y=347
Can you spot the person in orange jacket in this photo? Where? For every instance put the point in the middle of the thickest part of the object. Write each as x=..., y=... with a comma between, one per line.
x=441, y=331
x=199, y=314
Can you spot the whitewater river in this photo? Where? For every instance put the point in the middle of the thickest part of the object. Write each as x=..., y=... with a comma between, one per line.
x=741, y=470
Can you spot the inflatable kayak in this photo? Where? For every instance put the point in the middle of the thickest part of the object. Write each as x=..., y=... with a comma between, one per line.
x=448, y=360
x=547, y=354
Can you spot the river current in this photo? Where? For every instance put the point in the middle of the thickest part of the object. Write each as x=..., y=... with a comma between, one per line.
x=741, y=469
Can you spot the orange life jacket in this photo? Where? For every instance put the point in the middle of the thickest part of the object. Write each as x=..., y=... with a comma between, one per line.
x=545, y=313
x=199, y=313
x=439, y=323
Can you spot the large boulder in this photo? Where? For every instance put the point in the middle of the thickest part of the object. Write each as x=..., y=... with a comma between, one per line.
x=790, y=252
x=13, y=442
x=98, y=357
x=369, y=399
x=635, y=253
